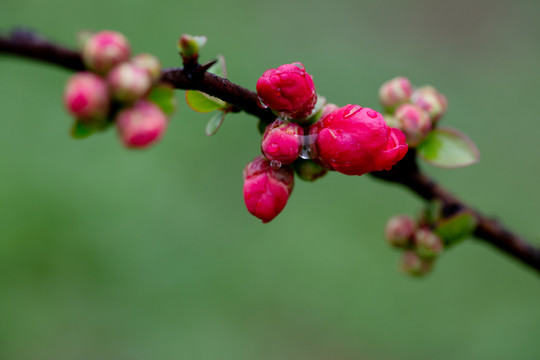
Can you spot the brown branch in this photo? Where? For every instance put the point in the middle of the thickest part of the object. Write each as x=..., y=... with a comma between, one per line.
x=406, y=172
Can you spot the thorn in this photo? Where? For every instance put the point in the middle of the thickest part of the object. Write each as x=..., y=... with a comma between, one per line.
x=202, y=69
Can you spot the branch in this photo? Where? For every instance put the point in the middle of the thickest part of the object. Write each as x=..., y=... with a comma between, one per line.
x=406, y=172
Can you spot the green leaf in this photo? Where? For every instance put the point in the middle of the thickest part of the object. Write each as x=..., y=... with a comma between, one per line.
x=202, y=102
x=214, y=124
x=456, y=228
x=81, y=131
x=219, y=67
x=433, y=211
x=163, y=96
x=448, y=148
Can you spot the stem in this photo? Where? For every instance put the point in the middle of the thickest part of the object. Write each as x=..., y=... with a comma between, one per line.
x=406, y=172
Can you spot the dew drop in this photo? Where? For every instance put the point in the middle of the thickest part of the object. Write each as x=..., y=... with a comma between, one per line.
x=273, y=148
x=372, y=114
x=261, y=103
x=353, y=111
x=309, y=151
x=275, y=164
x=298, y=65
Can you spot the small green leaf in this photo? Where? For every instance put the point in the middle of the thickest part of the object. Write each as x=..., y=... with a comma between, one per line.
x=456, y=228
x=433, y=211
x=163, y=96
x=202, y=102
x=219, y=67
x=214, y=123
x=448, y=148
x=81, y=131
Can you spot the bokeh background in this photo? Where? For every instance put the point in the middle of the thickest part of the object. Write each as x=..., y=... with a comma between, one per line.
x=107, y=253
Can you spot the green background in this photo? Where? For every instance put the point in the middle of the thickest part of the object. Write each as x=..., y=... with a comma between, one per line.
x=107, y=253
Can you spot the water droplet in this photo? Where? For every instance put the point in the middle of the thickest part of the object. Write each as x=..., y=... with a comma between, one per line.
x=309, y=151
x=352, y=111
x=261, y=103
x=273, y=148
x=372, y=114
x=275, y=164
x=298, y=65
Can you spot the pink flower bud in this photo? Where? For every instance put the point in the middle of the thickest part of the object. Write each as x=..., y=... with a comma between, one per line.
x=328, y=108
x=150, y=63
x=308, y=170
x=104, y=50
x=282, y=141
x=432, y=101
x=414, y=265
x=86, y=97
x=141, y=125
x=414, y=122
x=399, y=230
x=395, y=92
x=288, y=89
x=355, y=140
x=428, y=244
x=128, y=82
x=266, y=190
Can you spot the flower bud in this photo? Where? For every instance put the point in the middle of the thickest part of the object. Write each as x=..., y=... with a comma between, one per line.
x=288, y=89
x=150, y=63
x=328, y=108
x=399, y=230
x=414, y=122
x=355, y=140
x=86, y=97
x=128, y=82
x=104, y=50
x=395, y=92
x=308, y=170
x=266, y=190
x=428, y=244
x=414, y=265
x=141, y=125
x=282, y=141
x=432, y=101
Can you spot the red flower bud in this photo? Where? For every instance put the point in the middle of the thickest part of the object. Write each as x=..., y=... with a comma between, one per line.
x=288, y=89
x=399, y=230
x=266, y=190
x=141, y=125
x=428, y=244
x=395, y=92
x=104, y=50
x=414, y=122
x=150, y=63
x=414, y=265
x=355, y=140
x=86, y=97
x=282, y=141
x=432, y=101
x=129, y=82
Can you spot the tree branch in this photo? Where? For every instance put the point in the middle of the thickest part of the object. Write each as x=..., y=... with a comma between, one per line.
x=406, y=172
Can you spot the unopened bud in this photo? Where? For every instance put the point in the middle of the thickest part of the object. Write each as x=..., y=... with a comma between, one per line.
x=128, y=82
x=399, y=230
x=432, y=101
x=414, y=122
x=428, y=244
x=189, y=46
x=104, y=50
x=86, y=97
x=413, y=264
x=308, y=170
x=141, y=125
x=150, y=63
x=282, y=141
x=395, y=92
x=266, y=190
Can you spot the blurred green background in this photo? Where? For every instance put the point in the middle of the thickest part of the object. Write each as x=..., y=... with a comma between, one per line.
x=107, y=253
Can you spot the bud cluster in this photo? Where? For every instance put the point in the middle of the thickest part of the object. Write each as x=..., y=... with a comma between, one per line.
x=115, y=88
x=415, y=111
x=311, y=137
x=420, y=244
